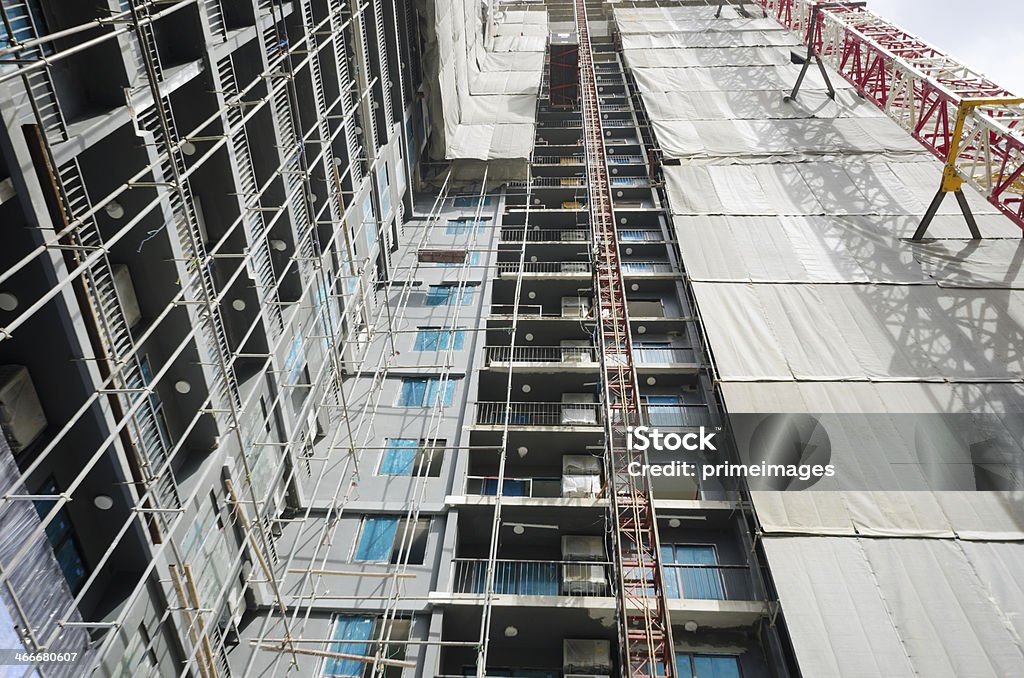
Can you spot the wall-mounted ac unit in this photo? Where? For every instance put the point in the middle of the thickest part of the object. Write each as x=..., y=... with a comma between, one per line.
x=582, y=547
x=579, y=409
x=126, y=293
x=580, y=464
x=21, y=414
x=577, y=351
x=581, y=486
x=584, y=657
x=583, y=579
x=575, y=307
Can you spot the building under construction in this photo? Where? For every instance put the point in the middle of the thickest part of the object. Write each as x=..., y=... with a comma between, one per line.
x=324, y=325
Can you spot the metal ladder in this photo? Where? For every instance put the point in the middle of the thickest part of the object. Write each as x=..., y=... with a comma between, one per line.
x=127, y=379
x=645, y=632
x=260, y=264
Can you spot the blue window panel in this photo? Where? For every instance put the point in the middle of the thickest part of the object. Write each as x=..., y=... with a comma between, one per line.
x=464, y=225
x=665, y=411
x=439, y=295
x=399, y=457
x=472, y=259
x=449, y=295
x=413, y=391
x=377, y=539
x=420, y=392
x=526, y=579
x=439, y=340
x=509, y=488
x=671, y=583
x=435, y=393
x=631, y=235
x=355, y=632
x=706, y=666
x=471, y=201
x=654, y=352
x=694, y=583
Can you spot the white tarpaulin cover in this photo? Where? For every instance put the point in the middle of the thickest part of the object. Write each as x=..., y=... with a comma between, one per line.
x=854, y=332
x=792, y=219
x=890, y=608
x=485, y=95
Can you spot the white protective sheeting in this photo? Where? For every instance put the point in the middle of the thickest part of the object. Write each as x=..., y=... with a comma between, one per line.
x=743, y=140
x=664, y=107
x=793, y=186
x=485, y=95
x=862, y=332
x=896, y=607
x=794, y=249
x=967, y=515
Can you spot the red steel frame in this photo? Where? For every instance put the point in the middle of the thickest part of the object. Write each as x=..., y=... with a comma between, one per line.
x=923, y=90
x=645, y=630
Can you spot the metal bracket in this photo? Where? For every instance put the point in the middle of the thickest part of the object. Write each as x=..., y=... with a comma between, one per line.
x=934, y=207
x=812, y=54
x=952, y=182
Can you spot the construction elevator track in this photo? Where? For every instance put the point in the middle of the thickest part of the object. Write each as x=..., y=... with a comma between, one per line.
x=644, y=629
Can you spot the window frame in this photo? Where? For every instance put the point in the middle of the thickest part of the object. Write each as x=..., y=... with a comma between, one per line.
x=417, y=548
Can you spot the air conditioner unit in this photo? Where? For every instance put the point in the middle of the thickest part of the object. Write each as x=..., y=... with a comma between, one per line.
x=21, y=414
x=581, y=486
x=580, y=464
x=126, y=293
x=577, y=351
x=582, y=547
x=583, y=579
x=583, y=657
x=574, y=236
x=575, y=307
x=579, y=409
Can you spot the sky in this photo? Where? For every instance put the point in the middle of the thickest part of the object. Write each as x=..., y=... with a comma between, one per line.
x=987, y=35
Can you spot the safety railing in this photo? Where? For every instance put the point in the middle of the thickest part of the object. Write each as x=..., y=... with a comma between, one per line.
x=676, y=416
x=629, y=267
x=558, y=160
x=663, y=356
x=551, y=267
x=708, y=582
x=640, y=235
x=545, y=235
x=538, y=414
x=550, y=182
x=533, y=577
x=570, y=355
x=487, y=486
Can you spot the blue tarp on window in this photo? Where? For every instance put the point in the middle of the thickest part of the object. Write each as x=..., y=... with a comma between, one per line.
x=449, y=295
x=399, y=457
x=377, y=538
x=706, y=666
x=421, y=392
x=431, y=339
x=352, y=630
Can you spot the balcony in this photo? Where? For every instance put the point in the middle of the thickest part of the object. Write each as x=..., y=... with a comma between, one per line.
x=573, y=579
x=636, y=268
x=538, y=414
x=546, y=269
x=546, y=235
x=542, y=358
x=707, y=582
x=563, y=487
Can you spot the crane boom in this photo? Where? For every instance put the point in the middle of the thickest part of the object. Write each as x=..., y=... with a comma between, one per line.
x=966, y=120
